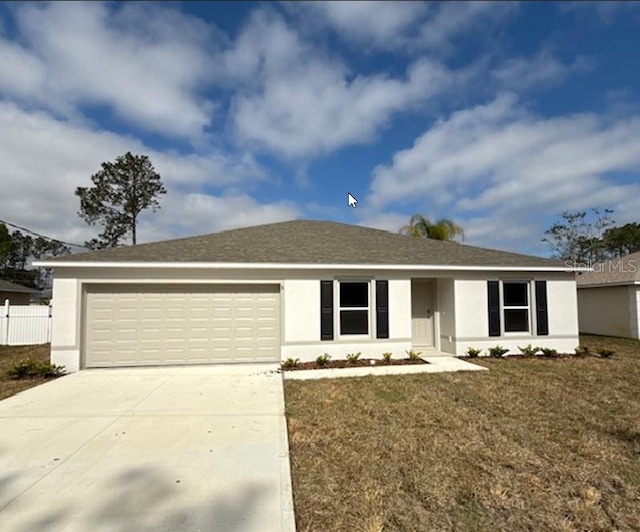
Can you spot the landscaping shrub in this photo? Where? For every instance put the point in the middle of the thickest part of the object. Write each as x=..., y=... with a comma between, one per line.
x=352, y=358
x=529, y=350
x=548, y=352
x=497, y=351
x=29, y=369
x=414, y=355
x=387, y=356
x=582, y=351
x=473, y=352
x=323, y=360
x=606, y=353
x=291, y=363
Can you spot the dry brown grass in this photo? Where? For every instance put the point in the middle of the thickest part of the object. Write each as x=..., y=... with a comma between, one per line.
x=533, y=444
x=11, y=354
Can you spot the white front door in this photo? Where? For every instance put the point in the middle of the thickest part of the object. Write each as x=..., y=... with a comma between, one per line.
x=422, y=313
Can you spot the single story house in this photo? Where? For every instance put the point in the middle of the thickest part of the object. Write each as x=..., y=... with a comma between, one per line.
x=300, y=289
x=15, y=293
x=609, y=298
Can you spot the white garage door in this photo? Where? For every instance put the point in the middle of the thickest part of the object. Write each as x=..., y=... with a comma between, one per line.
x=145, y=325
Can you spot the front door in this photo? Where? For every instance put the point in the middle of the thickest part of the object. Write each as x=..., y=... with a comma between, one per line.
x=422, y=313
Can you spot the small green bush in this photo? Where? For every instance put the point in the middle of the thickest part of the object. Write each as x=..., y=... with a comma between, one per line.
x=323, y=360
x=606, y=353
x=352, y=358
x=549, y=352
x=29, y=369
x=473, y=352
x=291, y=363
x=582, y=351
x=387, y=356
x=414, y=355
x=497, y=351
x=529, y=350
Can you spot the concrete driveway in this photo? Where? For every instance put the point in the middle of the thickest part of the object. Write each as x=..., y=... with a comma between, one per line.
x=175, y=448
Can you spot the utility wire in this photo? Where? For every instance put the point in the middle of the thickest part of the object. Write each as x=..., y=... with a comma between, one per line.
x=43, y=236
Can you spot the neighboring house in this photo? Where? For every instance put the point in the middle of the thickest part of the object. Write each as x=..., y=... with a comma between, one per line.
x=609, y=298
x=15, y=293
x=299, y=289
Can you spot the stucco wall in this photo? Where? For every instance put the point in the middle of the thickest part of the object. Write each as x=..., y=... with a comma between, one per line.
x=461, y=308
x=634, y=296
x=607, y=310
x=300, y=306
x=472, y=322
x=65, y=323
x=301, y=310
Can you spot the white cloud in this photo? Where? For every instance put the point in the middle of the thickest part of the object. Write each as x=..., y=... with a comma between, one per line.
x=145, y=63
x=453, y=19
x=543, y=69
x=498, y=164
x=409, y=26
x=382, y=25
x=207, y=214
x=387, y=221
x=45, y=159
x=307, y=104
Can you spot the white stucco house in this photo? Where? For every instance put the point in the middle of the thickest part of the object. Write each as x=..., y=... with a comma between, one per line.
x=299, y=289
x=609, y=298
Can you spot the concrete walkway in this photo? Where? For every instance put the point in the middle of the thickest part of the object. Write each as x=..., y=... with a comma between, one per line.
x=181, y=448
x=435, y=364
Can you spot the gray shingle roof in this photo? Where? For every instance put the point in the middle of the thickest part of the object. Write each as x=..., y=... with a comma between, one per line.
x=6, y=286
x=617, y=271
x=310, y=242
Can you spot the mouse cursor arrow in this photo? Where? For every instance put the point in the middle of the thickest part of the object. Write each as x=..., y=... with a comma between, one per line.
x=351, y=201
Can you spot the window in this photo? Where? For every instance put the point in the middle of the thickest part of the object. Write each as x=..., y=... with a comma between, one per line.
x=354, y=308
x=515, y=305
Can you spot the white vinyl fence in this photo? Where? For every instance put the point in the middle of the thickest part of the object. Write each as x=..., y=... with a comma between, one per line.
x=24, y=324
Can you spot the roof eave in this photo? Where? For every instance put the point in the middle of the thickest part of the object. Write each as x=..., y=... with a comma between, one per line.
x=611, y=283
x=298, y=266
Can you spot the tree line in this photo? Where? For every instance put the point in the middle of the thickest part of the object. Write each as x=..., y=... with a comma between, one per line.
x=18, y=250
x=591, y=236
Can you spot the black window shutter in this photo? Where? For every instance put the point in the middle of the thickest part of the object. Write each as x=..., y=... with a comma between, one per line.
x=382, y=309
x=493, y=291
x=542, y=316
x=326, y=310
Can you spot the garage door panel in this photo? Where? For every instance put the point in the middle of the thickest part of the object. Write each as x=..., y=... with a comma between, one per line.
x=130, y=325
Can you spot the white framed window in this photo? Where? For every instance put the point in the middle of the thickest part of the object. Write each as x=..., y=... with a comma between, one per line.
x=354, y=308
x=516, y=306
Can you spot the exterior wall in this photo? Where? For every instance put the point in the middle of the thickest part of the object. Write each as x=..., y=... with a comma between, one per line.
x=445, y=304
x=472, y=321
x=65, y=329
x=461, y=308
x=15, y=298
x=609, y=310
x=634, y=296
x=301, y=309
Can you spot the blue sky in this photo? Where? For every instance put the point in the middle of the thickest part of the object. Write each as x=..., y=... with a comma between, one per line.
x=499, y=116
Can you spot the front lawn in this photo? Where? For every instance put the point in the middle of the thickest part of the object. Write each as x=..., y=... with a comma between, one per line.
x=532, y=444
x=12, y=354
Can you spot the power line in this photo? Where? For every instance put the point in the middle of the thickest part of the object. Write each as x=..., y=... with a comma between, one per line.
x=43, y=236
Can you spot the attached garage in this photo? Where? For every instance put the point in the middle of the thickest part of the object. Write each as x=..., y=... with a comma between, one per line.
x=151, y=325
